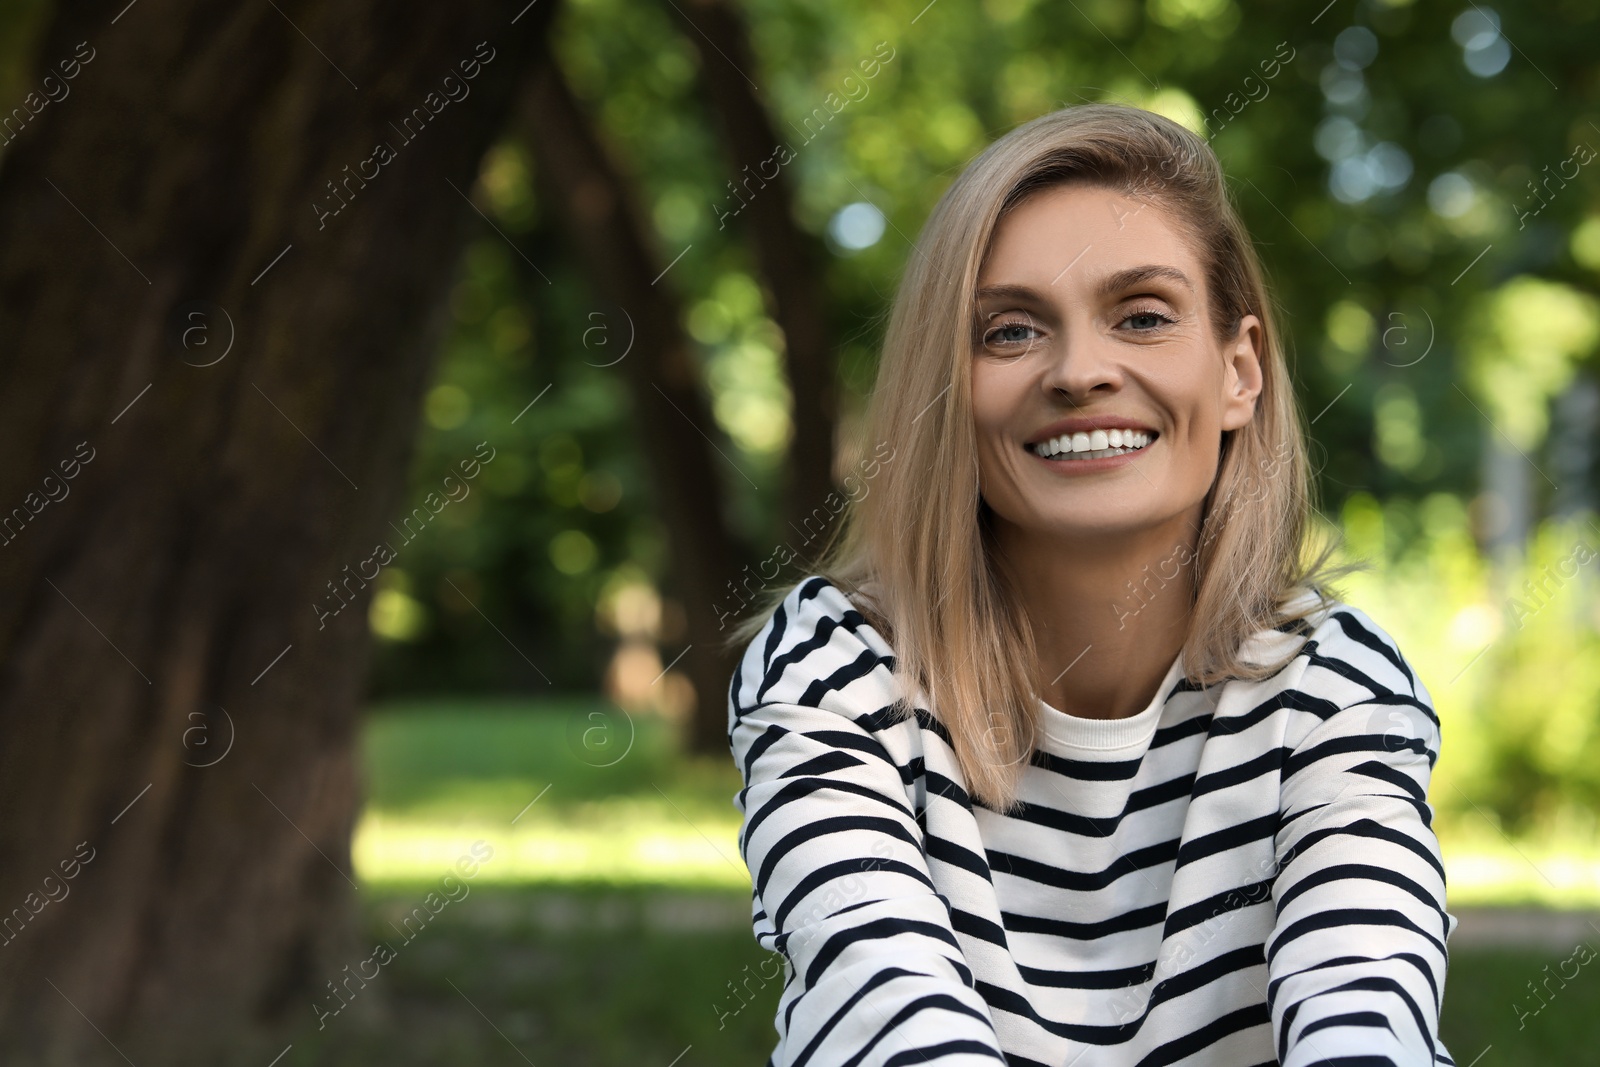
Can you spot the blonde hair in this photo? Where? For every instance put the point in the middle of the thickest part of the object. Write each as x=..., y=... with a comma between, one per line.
x=915, y=552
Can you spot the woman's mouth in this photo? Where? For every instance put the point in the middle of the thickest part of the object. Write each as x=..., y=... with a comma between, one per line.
x=1096, y=444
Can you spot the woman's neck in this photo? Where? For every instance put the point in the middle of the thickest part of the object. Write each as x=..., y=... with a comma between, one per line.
x=1108, y=616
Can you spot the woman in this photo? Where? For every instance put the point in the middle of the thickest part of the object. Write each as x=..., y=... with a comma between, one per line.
x=1063, y=754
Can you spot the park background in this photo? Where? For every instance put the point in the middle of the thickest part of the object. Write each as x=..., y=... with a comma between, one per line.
x=630, y=273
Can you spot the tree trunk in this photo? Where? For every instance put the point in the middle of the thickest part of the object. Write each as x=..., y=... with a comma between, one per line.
x=676, y=427
x=789, y=258
x=220, y=306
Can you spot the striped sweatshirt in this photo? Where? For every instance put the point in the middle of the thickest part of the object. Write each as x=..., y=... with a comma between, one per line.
x=1240, y=874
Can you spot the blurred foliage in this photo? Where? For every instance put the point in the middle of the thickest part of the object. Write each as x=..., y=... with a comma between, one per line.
x=542, y=529
x=1508, y=648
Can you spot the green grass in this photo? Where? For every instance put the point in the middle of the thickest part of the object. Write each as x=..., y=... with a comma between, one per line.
x=612, y=800
x=482, y=757
x=1486, y=994
x=553, y=956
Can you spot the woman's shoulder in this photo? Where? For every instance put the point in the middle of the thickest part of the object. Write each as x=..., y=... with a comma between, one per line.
x=817, y=649
x=1344, y=655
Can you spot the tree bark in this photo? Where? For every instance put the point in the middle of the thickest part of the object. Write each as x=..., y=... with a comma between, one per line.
x=676, y=427
x=212, y=393
x=789, y=258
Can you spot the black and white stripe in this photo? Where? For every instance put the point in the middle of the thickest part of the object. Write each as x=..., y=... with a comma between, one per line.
x=1245, y=874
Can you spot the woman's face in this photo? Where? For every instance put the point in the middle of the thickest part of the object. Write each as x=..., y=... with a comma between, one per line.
x=1092, y=319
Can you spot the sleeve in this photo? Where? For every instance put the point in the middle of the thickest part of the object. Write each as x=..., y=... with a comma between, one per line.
x=874, y=974
x=1356, y=959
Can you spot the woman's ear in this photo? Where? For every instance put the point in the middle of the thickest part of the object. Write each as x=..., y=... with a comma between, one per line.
x=1242, y=380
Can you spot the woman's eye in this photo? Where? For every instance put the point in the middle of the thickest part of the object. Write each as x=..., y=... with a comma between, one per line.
x=1009, y=333
x=1145, y=321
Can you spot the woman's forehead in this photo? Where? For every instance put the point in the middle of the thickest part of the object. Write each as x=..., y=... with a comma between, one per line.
x=1084, y=232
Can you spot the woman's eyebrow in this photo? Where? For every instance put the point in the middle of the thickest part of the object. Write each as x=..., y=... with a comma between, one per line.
x=1111, y=284
x=1132, y=276
x=1020, y=293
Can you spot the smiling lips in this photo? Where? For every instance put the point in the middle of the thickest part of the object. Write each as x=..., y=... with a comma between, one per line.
x=1092, y=444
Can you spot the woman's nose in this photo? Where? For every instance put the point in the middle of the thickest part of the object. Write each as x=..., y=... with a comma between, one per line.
x=1081, y=365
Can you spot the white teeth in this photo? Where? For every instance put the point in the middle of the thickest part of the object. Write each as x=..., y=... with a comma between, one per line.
x=1093, y=445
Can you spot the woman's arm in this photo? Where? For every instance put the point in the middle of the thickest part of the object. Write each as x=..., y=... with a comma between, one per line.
x=841, y=881
x=1356, y=961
